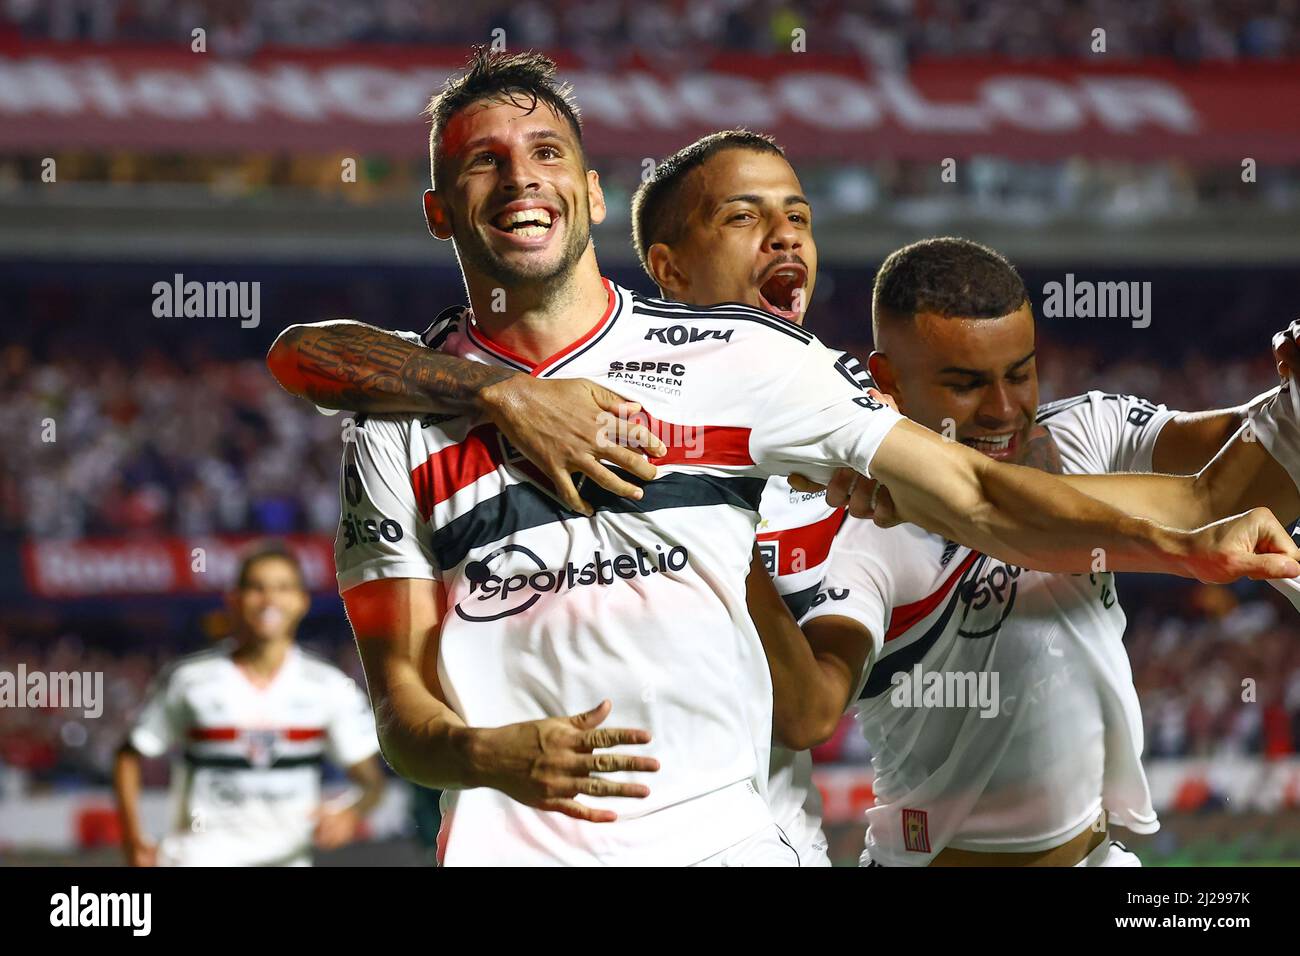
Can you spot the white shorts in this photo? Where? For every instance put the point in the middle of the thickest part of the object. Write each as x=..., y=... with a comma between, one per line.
x=1110, y=853
x=767, y=847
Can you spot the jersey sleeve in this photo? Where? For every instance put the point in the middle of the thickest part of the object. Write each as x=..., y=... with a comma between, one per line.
x=1112, y=433
x=350, y=735
x=382, y=533
x=1276, y=423
x=160, y=725
x=819, y=418
x=858, y=583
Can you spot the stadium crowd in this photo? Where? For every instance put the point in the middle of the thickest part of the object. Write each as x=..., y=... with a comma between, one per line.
x=604, y=31
x=161, y=447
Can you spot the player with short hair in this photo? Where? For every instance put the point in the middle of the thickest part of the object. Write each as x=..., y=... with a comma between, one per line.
x=723, y=213
x=253, y=718
x=481, y=601
x=1033, y=774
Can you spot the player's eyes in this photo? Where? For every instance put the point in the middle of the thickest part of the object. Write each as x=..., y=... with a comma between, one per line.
x=963, y=388
x=548, y=152
x=482, y=159
x=1017, y=379
x=798, y=217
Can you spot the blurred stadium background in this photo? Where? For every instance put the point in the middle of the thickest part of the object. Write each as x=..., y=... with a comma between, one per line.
x=231, y=165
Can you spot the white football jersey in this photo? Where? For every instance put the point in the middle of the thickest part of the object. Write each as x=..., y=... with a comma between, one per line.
x=549, y=612
x=247, y=778
x=1277, y=425
x=998, y=701
x=796, y=533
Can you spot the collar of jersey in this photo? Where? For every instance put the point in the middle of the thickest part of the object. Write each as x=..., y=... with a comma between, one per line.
x=290, y=657
x=480, y=338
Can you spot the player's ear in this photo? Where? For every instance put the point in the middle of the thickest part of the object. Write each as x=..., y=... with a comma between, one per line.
x=663, y=270
x=595, y=198
x=882, y=370
x=435, y=214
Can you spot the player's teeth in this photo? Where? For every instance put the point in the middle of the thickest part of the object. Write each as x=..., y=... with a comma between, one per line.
x=530, y=231
x=526, y=215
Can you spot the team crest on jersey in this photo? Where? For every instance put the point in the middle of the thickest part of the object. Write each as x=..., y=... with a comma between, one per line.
x=916, y=830
x=260, y=745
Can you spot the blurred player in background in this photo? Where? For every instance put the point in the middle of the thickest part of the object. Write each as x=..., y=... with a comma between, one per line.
x=253, y=718
x=1034, y=777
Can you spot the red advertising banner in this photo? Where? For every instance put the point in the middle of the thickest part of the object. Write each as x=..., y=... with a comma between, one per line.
x=368, y=100
x=121, y=567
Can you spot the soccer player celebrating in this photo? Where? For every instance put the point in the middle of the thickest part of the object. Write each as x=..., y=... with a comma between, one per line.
x=253, y=718
x=723, y=219
x=1031, y=773
x=479, y=601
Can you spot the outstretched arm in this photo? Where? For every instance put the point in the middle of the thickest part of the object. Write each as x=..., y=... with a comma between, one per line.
x=563, y=426
x=1023, y=516
x=818, y=420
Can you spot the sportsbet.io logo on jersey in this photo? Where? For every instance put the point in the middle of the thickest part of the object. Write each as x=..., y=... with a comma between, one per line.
x=513, y=578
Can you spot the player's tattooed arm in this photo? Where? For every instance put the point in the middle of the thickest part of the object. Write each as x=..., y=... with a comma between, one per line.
x=351, y=365
x=563, y=426
x=542, y=763
x=813, y=674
